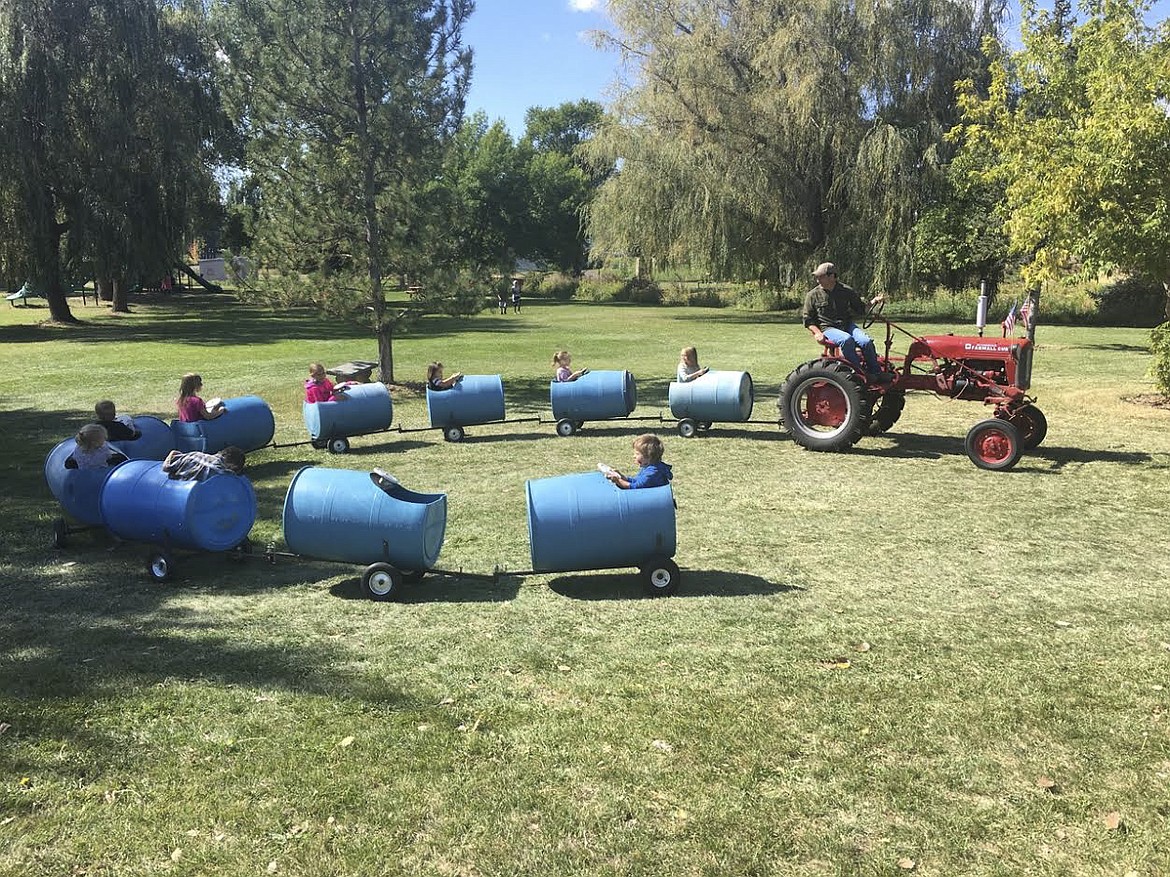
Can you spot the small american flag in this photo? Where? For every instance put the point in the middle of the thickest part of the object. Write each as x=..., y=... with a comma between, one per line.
x=1026, y=312
x=1009, y=322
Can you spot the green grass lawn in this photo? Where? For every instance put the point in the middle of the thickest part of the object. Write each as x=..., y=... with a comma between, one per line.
x=880, y=661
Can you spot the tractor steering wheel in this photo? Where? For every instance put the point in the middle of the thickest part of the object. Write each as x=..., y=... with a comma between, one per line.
x=872, y=313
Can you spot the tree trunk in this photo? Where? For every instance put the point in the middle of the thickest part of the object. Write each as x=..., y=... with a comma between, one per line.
x=105, y=289
x=1166, y=286
x=386, y=353
x=55, y=291
x=121, y=297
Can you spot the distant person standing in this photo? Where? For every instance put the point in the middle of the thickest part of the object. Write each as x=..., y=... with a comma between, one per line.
x=516, y=296
x=502, y=300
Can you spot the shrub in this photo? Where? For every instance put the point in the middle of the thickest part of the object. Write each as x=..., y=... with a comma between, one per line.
x=1160, y=347
x=562, y=287
x=640, y=291
x=1131, y=301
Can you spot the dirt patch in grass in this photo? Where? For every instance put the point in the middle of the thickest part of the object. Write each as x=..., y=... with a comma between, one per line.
x=1154, y=400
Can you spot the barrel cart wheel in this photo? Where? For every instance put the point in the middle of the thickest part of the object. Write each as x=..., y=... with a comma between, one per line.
x=339, y=445
x=381, y=582
x=160, y=566
x=319, y=444
x=243, y=550
x=704, y=425
x=660, y=576
x=453, y=434
x=60, y=533
x=565, y=427
x=579, y=425
x=994, y=444
x=687, y=427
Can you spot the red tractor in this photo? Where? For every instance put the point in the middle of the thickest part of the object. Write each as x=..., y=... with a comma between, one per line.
x=828, y=405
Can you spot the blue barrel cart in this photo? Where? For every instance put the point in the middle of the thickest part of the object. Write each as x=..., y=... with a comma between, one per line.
x=77, y=490
x=474, y=400
x=718, y=396
x=595, y=395
x=140, y=503
x=365, y=409
x=247, y=423
x=366, y=519
x=154, y=443
x=585, y=522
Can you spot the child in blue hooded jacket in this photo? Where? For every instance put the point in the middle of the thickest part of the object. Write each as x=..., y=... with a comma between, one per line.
x=648, y=452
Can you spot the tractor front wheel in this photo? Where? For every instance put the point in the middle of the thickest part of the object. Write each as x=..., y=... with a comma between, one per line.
x=887, y=408
x=824, y=406
x=994, y=444
x=1032, y=425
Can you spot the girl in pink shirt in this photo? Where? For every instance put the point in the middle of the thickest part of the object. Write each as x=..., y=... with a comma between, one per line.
x=191, y=407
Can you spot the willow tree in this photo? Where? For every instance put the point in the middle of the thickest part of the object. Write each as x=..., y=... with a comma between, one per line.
x=753, y=136
x=347, y=107
x=109, y=125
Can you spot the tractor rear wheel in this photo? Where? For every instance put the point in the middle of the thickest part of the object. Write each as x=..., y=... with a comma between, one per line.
x=994, y=444
x=1032, y=425
x=887, y=408
x=824, y=406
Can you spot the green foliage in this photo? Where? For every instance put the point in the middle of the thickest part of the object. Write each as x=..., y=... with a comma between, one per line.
x=1160, y=347
x=554, y=285
x=1077, y=123
x=110, y=127
x=1131, y=301
x=762, y=136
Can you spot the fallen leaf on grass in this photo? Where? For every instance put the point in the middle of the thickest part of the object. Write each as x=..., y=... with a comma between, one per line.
x=4, y=726
x=863, y=646
x=176, y=854
x=907, y=864
x=564, y=668
x=272, y=867
x=837, y=664
x=348, y=741
x=7, y=819
x=1113, y=821
x=446, y=701
x=1048, y=784
x=662, y=746
x=1063, y=623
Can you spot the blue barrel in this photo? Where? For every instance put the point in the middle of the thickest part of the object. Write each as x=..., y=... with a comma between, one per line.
x=595, y=396
x=248, y=424
x=716, y=396
x=582, y=521
x=155, y=443
x=475, y=399
x=366, y=408
x=78, y=490
x=139, y=502
x=340, y=514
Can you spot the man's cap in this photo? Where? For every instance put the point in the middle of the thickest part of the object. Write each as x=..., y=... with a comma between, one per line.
x=825, y=268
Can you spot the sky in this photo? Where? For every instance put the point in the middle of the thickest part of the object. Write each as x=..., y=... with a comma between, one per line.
x=538, y=53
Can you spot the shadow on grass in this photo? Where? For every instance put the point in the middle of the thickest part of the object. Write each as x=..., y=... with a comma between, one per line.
x=692, y=583
x=1118, y=348
x=934, y=447
x=438, y=588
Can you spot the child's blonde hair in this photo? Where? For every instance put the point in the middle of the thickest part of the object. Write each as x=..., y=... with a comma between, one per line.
x=433, y=369
x=559, y=356
x=689, y=355
x=91, y=436
x=105, y=410
x=316, y=371
x=190, y=383
x=650, y=447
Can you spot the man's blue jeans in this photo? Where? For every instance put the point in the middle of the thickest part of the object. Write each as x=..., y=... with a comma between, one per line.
x=852, y=339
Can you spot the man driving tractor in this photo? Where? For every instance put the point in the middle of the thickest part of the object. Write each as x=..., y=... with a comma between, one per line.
x=829, y=309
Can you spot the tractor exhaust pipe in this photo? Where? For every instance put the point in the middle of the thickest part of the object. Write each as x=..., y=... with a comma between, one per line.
x=981, y=308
